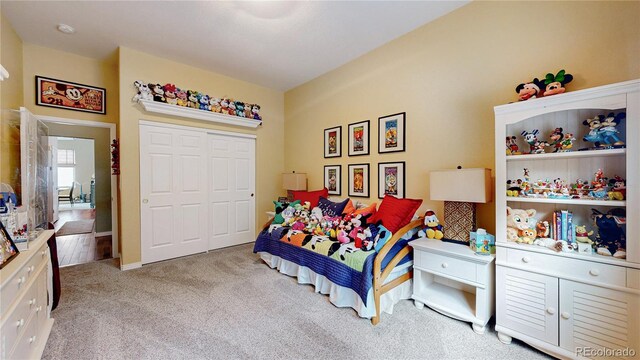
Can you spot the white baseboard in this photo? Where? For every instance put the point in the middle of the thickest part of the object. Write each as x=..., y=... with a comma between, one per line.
x=131, y=266
x=104, y=233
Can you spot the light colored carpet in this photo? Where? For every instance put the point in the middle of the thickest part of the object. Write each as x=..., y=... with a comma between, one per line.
x=228, y=304
x=76, y=227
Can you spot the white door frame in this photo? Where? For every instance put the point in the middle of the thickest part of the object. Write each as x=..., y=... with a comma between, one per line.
x=114, y=178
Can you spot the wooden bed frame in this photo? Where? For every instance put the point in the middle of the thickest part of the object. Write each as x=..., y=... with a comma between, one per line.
x=379, y=276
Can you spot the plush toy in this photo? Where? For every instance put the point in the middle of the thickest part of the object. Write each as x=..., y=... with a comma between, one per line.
x=158, y=92
x=214, y=105
x=529, y=90
x=542, y=229
x=144, y=93
x=432, y=228
x=182, y=97
x=224, y=105
x=512, y=146
x=582, y=235
x=203, y=101
x=231, y=110
x=247, y=110
x=240, y=109
x=192, y=99
x=618, y=188
x=555, y=84
x=255, y=111
x=278, y=218
x=382, y=237
x=610, y=239
x=170, y=94
x=518, y=219
x=526, y=236
x=288, y=214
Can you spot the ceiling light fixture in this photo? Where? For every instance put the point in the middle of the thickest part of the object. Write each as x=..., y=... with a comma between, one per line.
x=66, y=29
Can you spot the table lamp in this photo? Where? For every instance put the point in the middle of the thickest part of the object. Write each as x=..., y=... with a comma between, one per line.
x=460, y=189
x=293, y=182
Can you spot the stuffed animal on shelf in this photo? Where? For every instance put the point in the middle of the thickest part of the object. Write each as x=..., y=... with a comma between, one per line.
x=432, y=228
x=192, y=99
x=518, y=219
x=247, y=110
x=554, y=84
x=582, y=235
x=214, y=105
x=610, y=240
x=203, y=101
x=526, y=236
x=224, y=106
x=255, y=110
x=182, y=98
x=231, y=110
x=158, y=92
x=542, y=229
x=529, y=90
x=170, y=94
x=240, y=109
x=144, y=93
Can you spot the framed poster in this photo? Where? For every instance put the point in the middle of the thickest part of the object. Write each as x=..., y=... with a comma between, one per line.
x=391, y=179
x=70, y=96
x=333, y=142
x=359, y=138
x=391, y=133
x=8, y=250
x=359, y=180
x=333, y=178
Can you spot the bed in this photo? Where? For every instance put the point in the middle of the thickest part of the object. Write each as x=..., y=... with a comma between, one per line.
x=370, y=281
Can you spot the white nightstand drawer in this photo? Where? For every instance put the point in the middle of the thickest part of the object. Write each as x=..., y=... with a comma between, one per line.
x=445, y=265
x=573, y=268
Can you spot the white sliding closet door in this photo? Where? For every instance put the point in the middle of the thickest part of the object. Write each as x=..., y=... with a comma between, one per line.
x=231, y=190
x=173, y=191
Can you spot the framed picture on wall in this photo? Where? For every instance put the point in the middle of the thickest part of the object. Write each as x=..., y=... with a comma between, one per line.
x=333, y=142
x=70, y=96
x=8, y=250
x=391, y=180
x=359, y=180
x=359, y=138
x=391, y=133
x=333, y=178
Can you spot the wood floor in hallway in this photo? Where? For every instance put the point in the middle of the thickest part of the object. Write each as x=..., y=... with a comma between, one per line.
x=80, y=248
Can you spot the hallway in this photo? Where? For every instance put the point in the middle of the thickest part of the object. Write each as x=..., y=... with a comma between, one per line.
x=80, y=248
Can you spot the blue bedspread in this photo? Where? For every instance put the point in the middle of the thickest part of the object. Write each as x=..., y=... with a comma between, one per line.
x=336, y=271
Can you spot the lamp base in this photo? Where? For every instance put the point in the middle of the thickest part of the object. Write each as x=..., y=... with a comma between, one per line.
x=459, y=220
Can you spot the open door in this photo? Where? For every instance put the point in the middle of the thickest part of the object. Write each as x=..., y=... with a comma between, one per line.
x=53, y=179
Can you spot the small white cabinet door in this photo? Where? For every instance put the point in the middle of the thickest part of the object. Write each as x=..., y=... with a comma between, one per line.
x=527, y=303
x=597, y=318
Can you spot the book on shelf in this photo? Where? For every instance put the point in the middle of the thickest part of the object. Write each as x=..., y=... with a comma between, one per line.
x=563, y=228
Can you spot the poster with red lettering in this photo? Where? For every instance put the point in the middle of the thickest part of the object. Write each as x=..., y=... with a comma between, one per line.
x=70, y=96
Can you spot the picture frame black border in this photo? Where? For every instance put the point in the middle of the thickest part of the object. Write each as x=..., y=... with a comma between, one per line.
x=339, y=180
x=5, y=233
x=326, y=145
x=404, y=178
x=368, y=180
x=39, y=91
x=404, y=133
x=349, y=139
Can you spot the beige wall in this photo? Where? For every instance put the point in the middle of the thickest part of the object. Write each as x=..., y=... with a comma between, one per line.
x=135, y=65
x=11, y=94
x=448, y=75
x=102, y=156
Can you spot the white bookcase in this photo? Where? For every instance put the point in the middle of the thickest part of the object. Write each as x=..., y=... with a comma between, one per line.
x=568, y=304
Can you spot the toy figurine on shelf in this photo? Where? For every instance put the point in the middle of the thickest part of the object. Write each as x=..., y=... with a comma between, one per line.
x=599, y=186
x=556, y=139
x=513, y=187
x=554, y=84
x=512, y=146
x=618, y=188
x=530, y=138
x=567, y=142
x=542, y=229
x=603, y=132
x=529, y=90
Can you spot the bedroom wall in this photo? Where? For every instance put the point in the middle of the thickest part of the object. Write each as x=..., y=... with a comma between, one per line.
x=448, y=75
x=135, y=65
x=11, y=93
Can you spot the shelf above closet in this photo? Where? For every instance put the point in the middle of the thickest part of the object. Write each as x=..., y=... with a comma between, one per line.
x=186, y=112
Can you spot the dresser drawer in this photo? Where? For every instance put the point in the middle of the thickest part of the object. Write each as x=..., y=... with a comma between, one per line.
x=16, y=322
x=445, y=265
x=578, y=269
x=39, y=256
x=27, y=342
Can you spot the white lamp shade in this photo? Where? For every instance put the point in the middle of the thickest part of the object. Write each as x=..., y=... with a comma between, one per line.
x=464, y=185
x=294, y=181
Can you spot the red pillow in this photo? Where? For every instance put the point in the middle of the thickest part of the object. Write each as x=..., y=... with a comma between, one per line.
x=396, y=213
x=311, y=196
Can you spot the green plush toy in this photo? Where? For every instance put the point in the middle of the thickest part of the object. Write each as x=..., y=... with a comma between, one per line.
x=282, y=211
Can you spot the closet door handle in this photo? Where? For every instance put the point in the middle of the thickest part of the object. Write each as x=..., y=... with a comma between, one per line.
x=251, y=194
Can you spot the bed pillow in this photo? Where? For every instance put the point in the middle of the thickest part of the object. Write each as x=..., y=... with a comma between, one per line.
x=371, y=209
x=395, y=213
x=311, y=196
x=349, y=208
x=331, y=208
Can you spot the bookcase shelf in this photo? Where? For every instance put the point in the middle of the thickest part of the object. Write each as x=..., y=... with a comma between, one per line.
x=591, y=202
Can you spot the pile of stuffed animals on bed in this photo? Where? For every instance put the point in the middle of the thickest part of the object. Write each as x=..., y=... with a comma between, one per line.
x=170, y=94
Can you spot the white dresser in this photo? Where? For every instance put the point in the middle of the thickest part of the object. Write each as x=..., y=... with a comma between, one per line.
x=25, y=321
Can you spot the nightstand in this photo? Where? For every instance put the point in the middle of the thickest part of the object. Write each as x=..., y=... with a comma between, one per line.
x=451, y=279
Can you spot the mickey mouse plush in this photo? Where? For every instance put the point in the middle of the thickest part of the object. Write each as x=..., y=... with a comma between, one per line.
x=529, y=90
x=555, y=84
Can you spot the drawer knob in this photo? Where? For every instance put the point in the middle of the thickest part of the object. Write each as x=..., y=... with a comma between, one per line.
x=565, y=315
x=31, y=268
x=526, y=259
x=38, y=308
x=43, y=253
x=32, y=301
x=551, y=311
x=19, y=323
x=594, y=272
x=32, y=339
x=445, y=265
x=21, y=280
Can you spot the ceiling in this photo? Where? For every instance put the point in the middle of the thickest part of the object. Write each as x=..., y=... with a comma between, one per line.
x=276, y=44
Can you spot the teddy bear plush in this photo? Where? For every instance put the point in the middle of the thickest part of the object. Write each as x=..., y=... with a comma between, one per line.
x=517, y=220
